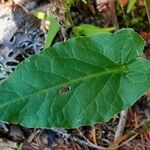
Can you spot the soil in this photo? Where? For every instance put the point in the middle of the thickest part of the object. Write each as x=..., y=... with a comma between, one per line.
x=136, y=131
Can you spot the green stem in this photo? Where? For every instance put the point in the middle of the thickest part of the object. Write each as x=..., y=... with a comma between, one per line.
x=70, y=20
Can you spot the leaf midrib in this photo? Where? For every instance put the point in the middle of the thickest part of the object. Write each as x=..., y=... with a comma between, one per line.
x=113, y=70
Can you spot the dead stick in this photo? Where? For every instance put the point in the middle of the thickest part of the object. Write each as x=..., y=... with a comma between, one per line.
x=121, y=125
x=82, y=142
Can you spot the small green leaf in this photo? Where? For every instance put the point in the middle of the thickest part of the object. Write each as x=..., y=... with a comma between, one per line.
x=79, y=82
x=87, y=29
x=131, y=5
x=53, y=29
x=147, y=6
x=20, y=146
x=40, y=15
x=84, y=1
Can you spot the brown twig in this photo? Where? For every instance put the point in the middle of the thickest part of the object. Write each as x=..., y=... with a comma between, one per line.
x=33, y=135
x=93, y=132
x=107, y=7
x=114, y=16
x=125, y=139
x=80, y=141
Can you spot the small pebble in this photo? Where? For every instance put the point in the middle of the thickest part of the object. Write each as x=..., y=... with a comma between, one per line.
x=80, y=17
x=73, y=15
x=98, y=22
x=91, y=18
x=49, y=137
x=31, y=5
x=87, y=20
x=16, y=133
x=76, y=21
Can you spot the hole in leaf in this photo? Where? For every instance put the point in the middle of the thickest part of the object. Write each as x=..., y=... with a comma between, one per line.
x=65, y=90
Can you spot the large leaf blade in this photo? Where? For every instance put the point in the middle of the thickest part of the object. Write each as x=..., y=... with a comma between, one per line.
x=81, y=81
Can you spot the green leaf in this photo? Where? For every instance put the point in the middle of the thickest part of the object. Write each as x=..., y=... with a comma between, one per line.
x=131, y=5
x=40, y=15
x=53, y=29
x=147, y=6
x=87, y=29
x=79, y=82
x=84, y=1
x=20, y=146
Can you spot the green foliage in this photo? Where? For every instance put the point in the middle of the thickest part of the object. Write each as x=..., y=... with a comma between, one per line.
x=131, y=5
x=78, y=82
x=147, y=6
x=20, y=146
x=53, y=29
x=69, y=3
x=40, y=15
x=87, y=29
x=84, y=1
